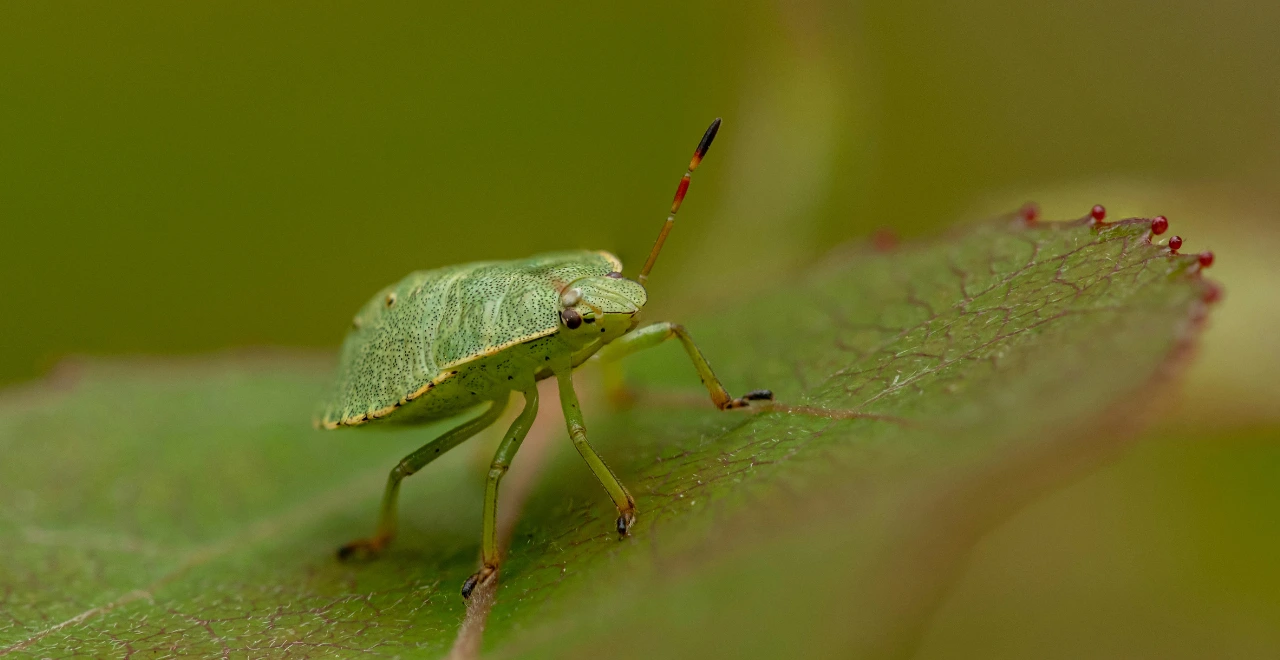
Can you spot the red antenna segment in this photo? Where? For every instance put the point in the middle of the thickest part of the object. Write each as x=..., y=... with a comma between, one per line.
x=683, y=188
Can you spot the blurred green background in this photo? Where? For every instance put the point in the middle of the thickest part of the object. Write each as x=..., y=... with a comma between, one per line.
x=181, y=178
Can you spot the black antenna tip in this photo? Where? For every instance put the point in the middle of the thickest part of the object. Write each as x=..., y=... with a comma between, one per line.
x=708, y=137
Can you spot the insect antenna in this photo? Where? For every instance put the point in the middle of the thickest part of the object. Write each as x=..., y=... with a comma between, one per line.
x=683, y=188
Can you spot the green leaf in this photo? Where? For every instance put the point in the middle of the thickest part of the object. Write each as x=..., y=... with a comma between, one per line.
x=187, y=508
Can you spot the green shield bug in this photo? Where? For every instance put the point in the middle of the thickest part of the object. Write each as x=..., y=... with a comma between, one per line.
x=443, y=342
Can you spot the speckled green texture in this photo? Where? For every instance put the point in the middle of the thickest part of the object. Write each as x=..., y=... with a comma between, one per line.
x=189, y=510
x=420, y=343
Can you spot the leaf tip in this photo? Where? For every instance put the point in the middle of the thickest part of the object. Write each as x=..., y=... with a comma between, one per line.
x=1029, y=213
x=1098, y=213
x=884, y=240
x=1212, y=292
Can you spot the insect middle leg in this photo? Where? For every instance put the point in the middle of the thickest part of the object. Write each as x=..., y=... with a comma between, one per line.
x=652, y=335
x=578, y=433
x=501, y=463
x=407, y=466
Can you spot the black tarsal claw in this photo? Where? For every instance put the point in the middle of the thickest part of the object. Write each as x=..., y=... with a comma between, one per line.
x=485, y=574
x=625, y=521
x=470, y=585
x=758, y=395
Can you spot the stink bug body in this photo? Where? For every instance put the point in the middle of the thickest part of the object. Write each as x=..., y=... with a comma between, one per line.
x=443, y=342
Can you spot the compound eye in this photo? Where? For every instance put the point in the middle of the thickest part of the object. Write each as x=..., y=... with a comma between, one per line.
x=570, y=297
x=572, y=319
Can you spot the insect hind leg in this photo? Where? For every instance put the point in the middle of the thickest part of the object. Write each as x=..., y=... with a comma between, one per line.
x=497, y=469
x=386, y=530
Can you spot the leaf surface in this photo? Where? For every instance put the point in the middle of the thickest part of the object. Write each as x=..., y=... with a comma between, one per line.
x=187, y=508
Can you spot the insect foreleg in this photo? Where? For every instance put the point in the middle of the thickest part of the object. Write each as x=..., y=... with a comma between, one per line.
x=652, y=335
x=407, y=466
x=497, y=469
x=578, y=433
